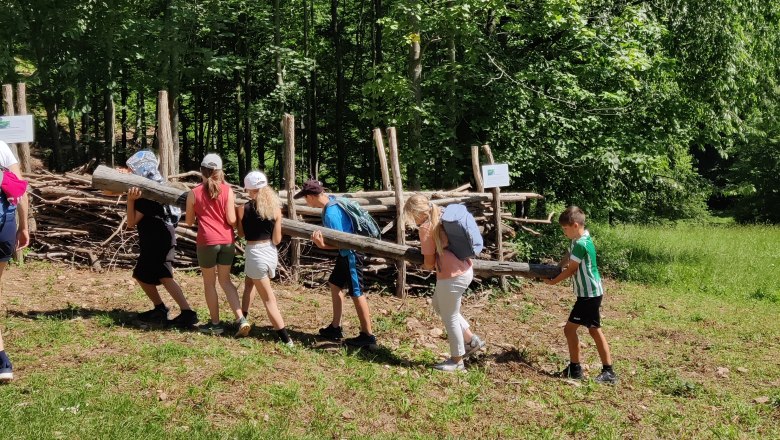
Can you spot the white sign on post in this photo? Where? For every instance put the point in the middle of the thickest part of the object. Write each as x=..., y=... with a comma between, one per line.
x=495, y=176
x=17, y=129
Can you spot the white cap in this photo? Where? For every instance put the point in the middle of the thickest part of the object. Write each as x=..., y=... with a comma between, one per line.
x=255, y=180
x=212, y=161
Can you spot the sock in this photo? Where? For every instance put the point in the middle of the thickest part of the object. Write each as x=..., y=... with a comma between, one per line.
x=607, y=368
x=161, y=306
x=283, y=335
x=574, y=365
x=245, y=313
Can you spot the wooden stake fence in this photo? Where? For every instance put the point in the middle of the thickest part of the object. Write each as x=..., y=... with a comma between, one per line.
x=288, y=123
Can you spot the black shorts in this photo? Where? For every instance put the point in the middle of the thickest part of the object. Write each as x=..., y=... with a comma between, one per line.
x=7, y=236
x=152, y=267
x=348, y=274
x=587, y=312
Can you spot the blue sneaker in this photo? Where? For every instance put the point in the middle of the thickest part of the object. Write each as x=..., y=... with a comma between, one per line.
x=7, y=373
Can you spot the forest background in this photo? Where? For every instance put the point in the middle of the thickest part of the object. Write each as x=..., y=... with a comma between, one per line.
x=635, y=110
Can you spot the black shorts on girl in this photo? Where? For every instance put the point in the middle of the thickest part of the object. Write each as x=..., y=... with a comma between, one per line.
x=587, y=312
x=157, y=239
x=348, y=273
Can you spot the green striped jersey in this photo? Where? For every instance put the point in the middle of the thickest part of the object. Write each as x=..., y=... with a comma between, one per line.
x=587, y=281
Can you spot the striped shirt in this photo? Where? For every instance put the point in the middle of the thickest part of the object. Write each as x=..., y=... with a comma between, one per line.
x=587, y=281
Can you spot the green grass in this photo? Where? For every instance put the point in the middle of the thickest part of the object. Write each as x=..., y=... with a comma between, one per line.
x=742, y=262
x=684, y=311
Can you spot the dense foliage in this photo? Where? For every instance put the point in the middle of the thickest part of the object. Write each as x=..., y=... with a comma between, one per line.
x=631, y=109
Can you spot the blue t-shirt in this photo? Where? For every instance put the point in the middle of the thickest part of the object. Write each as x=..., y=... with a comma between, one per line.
x=337, y=219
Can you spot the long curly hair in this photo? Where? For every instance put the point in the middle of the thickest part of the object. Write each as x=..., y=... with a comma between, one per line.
x=267, y=203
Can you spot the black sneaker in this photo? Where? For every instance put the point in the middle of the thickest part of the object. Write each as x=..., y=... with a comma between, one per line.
x=186, y=320
x=158, y=315
x=332, y=333
x=571, y=372
x=362, y=340
x=607, y=376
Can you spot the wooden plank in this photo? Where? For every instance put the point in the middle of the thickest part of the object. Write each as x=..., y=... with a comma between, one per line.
x=497, y=219
x=289, y=183
x=400, y=225
x=380, y=152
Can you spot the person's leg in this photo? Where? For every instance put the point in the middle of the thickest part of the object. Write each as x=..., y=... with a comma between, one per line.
x=223, y=274
x=2, y=269
x=6, y=368
x=248, y=295
x=337, y=300
x=210, y=289
x=601, y=345
x=269, y=301
x=448, y=300
x=174, y=289
x=151, y=292
x=570, y=330
x=363, y=313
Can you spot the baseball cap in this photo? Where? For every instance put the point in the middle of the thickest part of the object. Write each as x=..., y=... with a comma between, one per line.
x=212, y=161
x=255, y=180
x=310, y=187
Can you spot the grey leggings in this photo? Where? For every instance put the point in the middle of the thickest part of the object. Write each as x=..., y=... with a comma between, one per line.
x=446, y=302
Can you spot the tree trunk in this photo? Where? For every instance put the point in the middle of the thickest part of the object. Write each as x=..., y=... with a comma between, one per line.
x=247, y=124
x=24, y=147
x=415, y=79
x=54, y=133
x=123, y=151
x=239, y=133
x=341, y=153
x=109, y=116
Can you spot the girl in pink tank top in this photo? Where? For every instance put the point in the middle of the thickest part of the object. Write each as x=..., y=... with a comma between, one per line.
x=212, y=203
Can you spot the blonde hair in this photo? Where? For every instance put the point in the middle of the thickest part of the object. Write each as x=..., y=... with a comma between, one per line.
x=266, y=203
x=419, y=204
x=214, y=180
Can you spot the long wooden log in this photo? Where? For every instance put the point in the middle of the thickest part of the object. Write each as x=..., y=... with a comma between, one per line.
x=109, y=179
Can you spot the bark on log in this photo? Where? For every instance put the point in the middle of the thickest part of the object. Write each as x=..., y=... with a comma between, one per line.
x=106, y=178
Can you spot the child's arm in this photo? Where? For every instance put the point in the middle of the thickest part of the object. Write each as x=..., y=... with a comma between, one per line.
x=189, y=216
x=133, y=216
x=276, y=237
x=239, y=217
x=564, y=260
x=571, y=268
x=231, y=208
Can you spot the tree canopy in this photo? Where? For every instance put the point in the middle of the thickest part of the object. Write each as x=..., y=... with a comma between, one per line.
x=630, y=109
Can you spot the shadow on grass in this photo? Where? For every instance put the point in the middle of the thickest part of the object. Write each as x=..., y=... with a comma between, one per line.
x=117, y=316
x=510, y=356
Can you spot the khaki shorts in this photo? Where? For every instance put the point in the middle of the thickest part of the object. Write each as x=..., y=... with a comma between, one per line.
x=212, y=255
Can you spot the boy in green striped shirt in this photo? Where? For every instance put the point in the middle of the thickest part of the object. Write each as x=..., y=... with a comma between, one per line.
x=580, y=263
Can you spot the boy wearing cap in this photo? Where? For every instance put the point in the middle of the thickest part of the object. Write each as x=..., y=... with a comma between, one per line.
x=213, y=204
x=348, y=272
x=260, y=221
x=156, y=225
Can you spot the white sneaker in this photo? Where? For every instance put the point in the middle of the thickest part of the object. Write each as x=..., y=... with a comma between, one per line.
x=244, y=327
x=450, y=366
x=289, y=343
x=474, y=346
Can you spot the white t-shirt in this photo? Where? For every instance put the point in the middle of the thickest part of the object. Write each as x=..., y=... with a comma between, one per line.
x=6, y=155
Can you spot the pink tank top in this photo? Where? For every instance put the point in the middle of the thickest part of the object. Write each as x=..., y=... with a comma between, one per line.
x=213, y=227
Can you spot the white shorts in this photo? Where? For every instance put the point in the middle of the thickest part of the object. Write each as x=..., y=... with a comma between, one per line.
x=261, y=260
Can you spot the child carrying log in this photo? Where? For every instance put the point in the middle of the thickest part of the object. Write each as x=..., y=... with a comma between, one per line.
x=453, y=277
x=260, y=221
x=212, y=203
x=156, y=225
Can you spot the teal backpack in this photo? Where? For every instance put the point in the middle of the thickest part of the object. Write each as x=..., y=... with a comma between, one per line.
x=362, y=222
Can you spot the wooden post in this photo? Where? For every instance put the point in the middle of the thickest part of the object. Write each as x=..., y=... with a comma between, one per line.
x=164, y=136
x=476, y=168
x=288, y=124
x=400, y=227
x=8, y=110
x=24, y=148
x=497, y=218
x=380, y=150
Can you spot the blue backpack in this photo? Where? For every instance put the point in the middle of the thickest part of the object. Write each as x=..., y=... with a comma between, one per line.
x=362, y=222
x=463, y=235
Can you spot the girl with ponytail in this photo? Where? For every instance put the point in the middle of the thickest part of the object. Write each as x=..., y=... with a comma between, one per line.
x=212, y=203
x=453, y=277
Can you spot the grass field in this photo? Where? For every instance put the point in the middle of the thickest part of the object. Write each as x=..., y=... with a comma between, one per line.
x=693, y=326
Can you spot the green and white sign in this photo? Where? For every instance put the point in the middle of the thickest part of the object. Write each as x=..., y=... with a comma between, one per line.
x=17, y=129
x=495, y=176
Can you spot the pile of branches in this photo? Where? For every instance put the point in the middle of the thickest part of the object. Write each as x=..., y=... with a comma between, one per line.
x=80, y=225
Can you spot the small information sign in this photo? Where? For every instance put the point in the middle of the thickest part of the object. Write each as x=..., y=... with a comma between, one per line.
x=17, y=129
x=495, y=176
